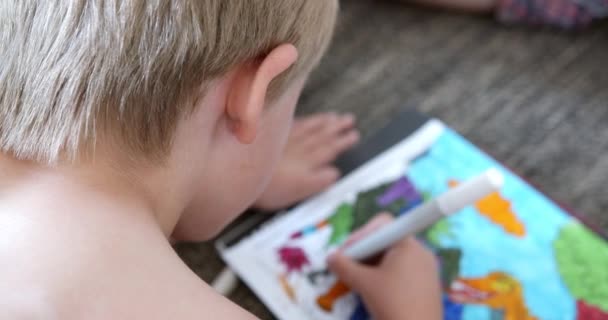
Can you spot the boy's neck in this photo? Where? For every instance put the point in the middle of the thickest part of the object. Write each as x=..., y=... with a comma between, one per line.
x=142, y=192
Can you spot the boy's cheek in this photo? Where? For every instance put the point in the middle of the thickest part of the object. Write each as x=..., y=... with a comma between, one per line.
x=238, y=177
x=232, y=187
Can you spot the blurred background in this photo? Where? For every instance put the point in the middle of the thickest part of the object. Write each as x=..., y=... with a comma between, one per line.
x=535, y=98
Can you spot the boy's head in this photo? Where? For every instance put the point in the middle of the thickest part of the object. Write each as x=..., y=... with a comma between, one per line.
x=142, y=79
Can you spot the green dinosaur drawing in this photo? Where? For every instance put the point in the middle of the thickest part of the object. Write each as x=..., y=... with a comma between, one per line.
x=436, y=232
x=582, y=259
x=341, y=222
x=366, y=206
x=450, y=265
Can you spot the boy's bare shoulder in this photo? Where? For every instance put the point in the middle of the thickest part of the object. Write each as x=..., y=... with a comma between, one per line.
x=94, y=269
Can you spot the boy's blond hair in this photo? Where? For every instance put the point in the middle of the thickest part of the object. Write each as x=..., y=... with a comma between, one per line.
x=75, y=72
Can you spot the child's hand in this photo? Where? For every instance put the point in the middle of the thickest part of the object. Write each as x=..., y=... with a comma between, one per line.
x=306, y=167
x=404, y=285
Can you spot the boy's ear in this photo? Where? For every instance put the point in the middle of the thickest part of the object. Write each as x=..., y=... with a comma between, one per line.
x=247, y=94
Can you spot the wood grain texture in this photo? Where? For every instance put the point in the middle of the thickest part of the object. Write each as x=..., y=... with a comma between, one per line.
x=535, y=99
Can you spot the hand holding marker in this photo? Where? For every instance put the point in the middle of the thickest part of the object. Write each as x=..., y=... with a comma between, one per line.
x=426, y=215
x=408, y=224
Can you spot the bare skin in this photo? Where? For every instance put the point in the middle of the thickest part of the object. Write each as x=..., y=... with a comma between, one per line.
x=406, y=265
x=90, y=240
x=118, y=264
x=306, y=166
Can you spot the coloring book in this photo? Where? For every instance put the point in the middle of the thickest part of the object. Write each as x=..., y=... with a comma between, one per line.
x=514, y=255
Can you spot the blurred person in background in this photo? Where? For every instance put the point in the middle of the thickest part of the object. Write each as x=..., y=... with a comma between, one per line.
x=563, y=14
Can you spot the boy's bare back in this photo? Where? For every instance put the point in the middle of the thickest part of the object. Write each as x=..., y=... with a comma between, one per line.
x=76, y=253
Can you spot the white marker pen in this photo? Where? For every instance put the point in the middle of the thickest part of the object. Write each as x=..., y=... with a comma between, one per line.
x=426, y=214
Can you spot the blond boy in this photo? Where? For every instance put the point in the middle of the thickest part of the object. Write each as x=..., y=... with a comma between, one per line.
x=123, y=123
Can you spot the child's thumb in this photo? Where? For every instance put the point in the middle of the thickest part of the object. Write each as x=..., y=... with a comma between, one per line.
x=350, y=272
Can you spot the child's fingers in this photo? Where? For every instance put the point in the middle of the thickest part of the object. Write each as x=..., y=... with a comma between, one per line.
x=410, y=249
x=316, y=181
x=405, y=243
x=380, y=220
x=303, y=126
x=332, y=129
x=337, y=124
x=350, y=272
x=329, y=150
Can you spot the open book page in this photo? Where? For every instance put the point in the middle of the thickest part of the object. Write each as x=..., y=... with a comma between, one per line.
x=513, y=255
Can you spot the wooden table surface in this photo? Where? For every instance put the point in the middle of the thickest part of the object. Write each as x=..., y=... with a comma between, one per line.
x=535, y=99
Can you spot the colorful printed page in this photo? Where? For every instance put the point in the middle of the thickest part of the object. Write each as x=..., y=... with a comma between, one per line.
x=514, y=255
